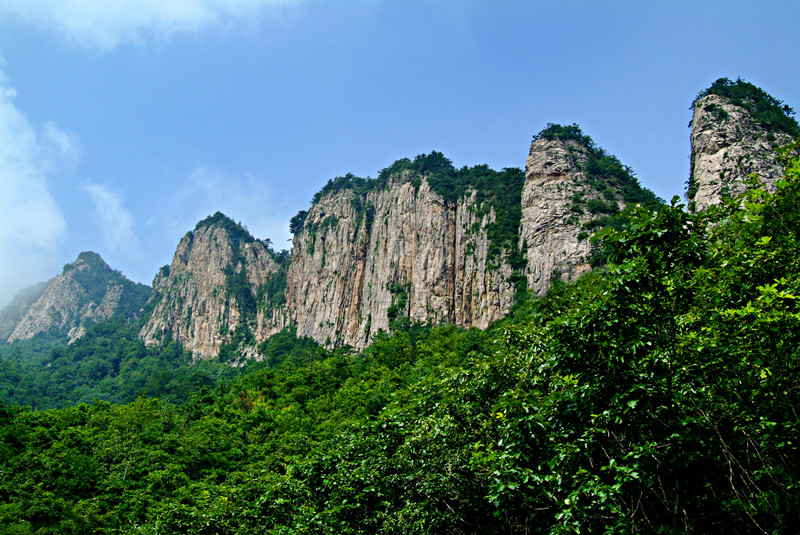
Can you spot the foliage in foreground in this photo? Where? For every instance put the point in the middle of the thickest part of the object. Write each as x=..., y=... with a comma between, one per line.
x=660, y=395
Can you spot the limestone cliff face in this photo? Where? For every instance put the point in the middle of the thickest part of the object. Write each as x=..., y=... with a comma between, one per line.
x=555, y=212
x=727, y=146
x=87, y=291
x=401, y=251
x=210, y=290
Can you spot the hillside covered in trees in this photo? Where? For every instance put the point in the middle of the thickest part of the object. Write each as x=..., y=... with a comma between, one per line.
x=658, y=393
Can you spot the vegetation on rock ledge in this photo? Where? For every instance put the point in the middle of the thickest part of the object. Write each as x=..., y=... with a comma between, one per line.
x=607, y=177
x=767, y=111
x=494, y=190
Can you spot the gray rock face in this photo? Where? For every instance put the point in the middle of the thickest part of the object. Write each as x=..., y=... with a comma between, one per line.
x=727, y=146
x=404, y=252
x=86, y=292
x=554, y=214
x=398, y=252
x=193, y=301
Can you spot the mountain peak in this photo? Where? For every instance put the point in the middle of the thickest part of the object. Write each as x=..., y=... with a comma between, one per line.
x=87, y=260
x=210, y=291
x=217, y=218
x=236, y=231
x=565, y=133
x=736, y=127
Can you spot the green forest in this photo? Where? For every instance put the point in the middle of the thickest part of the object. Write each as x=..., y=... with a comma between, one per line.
x=659, y=393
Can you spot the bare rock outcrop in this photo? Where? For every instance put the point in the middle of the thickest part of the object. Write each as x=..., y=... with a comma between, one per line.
x=210, y=291
x=86, y=292
x=728, y=144
x=401, y=251
x=571, y=188
x=550, y=229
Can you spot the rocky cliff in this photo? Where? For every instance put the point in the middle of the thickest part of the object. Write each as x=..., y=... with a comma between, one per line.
x=571, y=188
x=87, y=291
x=209, y=295
x=428, y=243
x=551, y=232
x=424, y=242
x=735, y=130
x=399, y=252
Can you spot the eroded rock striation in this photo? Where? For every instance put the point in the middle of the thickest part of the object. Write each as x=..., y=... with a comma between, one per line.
x=87, y=291
x=401, y=251
x=571, y=188
x=551, y=232
x=422, y=243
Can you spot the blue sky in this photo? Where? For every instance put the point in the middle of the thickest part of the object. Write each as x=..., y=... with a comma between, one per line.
x=124, y=123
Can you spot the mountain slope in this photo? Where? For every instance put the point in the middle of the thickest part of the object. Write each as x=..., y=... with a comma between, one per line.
x=12, y=314
x=86, y=292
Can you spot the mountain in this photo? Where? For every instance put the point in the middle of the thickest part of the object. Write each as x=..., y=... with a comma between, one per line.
x=655, y=394
x=87, y=291
x=427, y=243
x=215, y=290
x=423, y=242
x=658, y=395
x=736, y=128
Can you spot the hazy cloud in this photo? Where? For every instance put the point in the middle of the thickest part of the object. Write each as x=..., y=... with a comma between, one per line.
x=105, y=24
x=115, y=222
x=246, y=199
x=31, y=223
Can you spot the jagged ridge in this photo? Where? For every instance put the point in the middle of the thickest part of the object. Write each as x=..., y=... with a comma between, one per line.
x=426, y=242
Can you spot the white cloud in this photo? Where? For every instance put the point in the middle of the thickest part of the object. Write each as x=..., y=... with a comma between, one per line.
x=31, y=223
x=105, y=24
x=115, y=222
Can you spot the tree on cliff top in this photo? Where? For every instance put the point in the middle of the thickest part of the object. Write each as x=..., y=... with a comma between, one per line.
x=769, y=112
